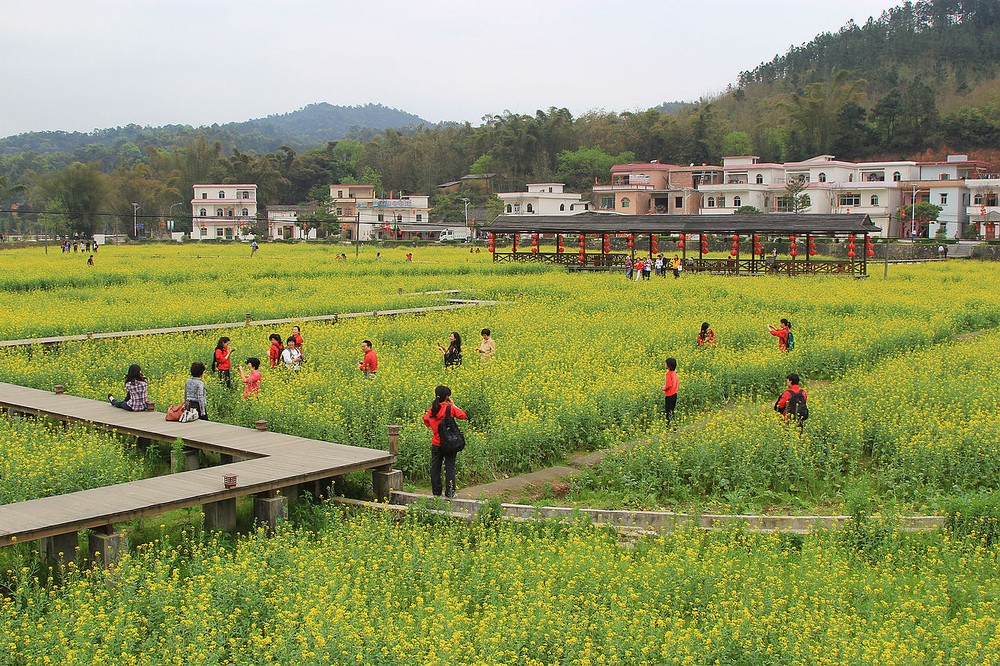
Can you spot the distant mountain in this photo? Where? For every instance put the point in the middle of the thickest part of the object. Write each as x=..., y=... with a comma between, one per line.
x=306, y=128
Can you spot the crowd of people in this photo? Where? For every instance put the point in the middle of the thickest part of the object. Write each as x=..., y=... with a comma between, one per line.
x=289, y=355
x=644, y=267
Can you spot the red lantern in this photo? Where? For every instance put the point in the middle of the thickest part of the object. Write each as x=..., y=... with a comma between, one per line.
x=732, y=252
x=793, y=254
x=871, y=253
x=583, y=256
x=704, y=248
x=583, y=245
x=491, y=248
x=850, y=254
x=535, y=250
x=560, y=249
x=756, y=238
x=492, y=236
x=735, y=237
x=534, y=242
x=680, y=244
x=631, y=238
x=631, y=244
x=812, y=253
x=791, y=238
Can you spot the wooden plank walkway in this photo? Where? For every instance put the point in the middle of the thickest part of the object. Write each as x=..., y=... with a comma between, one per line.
x=454, y=304
x=271, y=461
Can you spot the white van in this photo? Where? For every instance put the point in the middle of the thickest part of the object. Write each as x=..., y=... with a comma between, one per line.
x=455, y=235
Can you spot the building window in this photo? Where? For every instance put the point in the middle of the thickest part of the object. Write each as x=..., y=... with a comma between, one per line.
x=509, y=208
x=562, y=207
x=874, y=199
x=204, y=231
x=978, y=200
x=737, y=202
x=222, y=195
x=896, y=176
x=722, y=202
x=203, y=213
x=246, y=212
x=850, y=178
x=760, y=179
x=678, y=202
x=218, y=232
x=381, y=217
x=944, y=199
x=399, y=219
x=420, y=217
x=204, y=195
x=229, y=212
x=246, y=194
x=625, y=202
x=530, y=209
x=944, y=176
x=607, y=203
x=822, y=177
x=340, y=211
x=340, y=194
x=850, y=199
x=218, y=212
x=711, y=202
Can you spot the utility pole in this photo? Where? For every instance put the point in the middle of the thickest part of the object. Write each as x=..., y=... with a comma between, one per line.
x=135, y=220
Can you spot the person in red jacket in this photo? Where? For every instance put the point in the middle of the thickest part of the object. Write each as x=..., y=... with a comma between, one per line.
x=781, y=333
x=670, y=389
x=432, y=419
x=781, y=405
x=221, y=363
x=368, y=364
x=274, y=353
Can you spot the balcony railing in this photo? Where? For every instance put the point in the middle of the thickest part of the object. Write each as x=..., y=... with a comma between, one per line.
x=623, y=186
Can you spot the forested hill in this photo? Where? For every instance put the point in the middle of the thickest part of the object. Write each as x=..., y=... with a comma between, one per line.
x=305, y=128
x=957, y=40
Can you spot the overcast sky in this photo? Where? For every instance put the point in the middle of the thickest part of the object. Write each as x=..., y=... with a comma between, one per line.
x=86, y=64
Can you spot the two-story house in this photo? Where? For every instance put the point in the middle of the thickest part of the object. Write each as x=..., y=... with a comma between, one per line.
x=543, y=199
x=224, y=212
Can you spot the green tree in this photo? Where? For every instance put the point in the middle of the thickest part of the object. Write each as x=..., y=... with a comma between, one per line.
x=795, y=199
x=84, y=191
x=748, y=210
x=482, y=166
x=737, y=143
x=916, y=218
x=54, y=220
x=579, y=168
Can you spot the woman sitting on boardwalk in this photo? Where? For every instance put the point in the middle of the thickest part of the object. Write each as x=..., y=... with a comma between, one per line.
x=135, y=389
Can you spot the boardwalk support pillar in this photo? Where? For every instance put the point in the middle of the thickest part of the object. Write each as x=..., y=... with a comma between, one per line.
x=184, y=460
x=385, y=479
x=60, y=548
x=220, y=516
x=105, y=545
x=270, y=508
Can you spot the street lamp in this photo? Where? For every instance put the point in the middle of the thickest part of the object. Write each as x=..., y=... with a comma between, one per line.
x=466, y=212
x=135, y=220
x=170, y=213
x=913, y=214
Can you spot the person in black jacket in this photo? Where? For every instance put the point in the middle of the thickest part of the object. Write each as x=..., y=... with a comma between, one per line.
x=453, y=352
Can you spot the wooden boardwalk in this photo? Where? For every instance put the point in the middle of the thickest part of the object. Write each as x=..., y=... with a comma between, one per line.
x=267, y=462
x=453, y=304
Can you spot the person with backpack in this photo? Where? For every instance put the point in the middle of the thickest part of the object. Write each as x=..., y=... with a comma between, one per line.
x=786, y=341
x=440, y=418
x=792, y=404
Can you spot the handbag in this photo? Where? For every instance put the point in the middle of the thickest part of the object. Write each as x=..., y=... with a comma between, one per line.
x=189, y=415
x=174, y=412
x=452, y=438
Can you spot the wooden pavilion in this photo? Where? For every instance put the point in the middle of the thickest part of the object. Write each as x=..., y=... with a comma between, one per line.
x=688, y=236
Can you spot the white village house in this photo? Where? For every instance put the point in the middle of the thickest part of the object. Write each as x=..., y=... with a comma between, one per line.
x=224, y=212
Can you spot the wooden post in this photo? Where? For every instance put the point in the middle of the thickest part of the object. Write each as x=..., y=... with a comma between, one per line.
x=394, y=438
x=60, y=549
x=220, y=516
x=105, y=545
x=270, y=508
x=385, y=479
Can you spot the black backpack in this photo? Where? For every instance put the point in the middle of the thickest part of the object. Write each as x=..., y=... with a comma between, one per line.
x=452, y=439
x=796, y=406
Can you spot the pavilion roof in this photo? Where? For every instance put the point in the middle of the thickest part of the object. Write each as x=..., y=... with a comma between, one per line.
x=591, y=222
